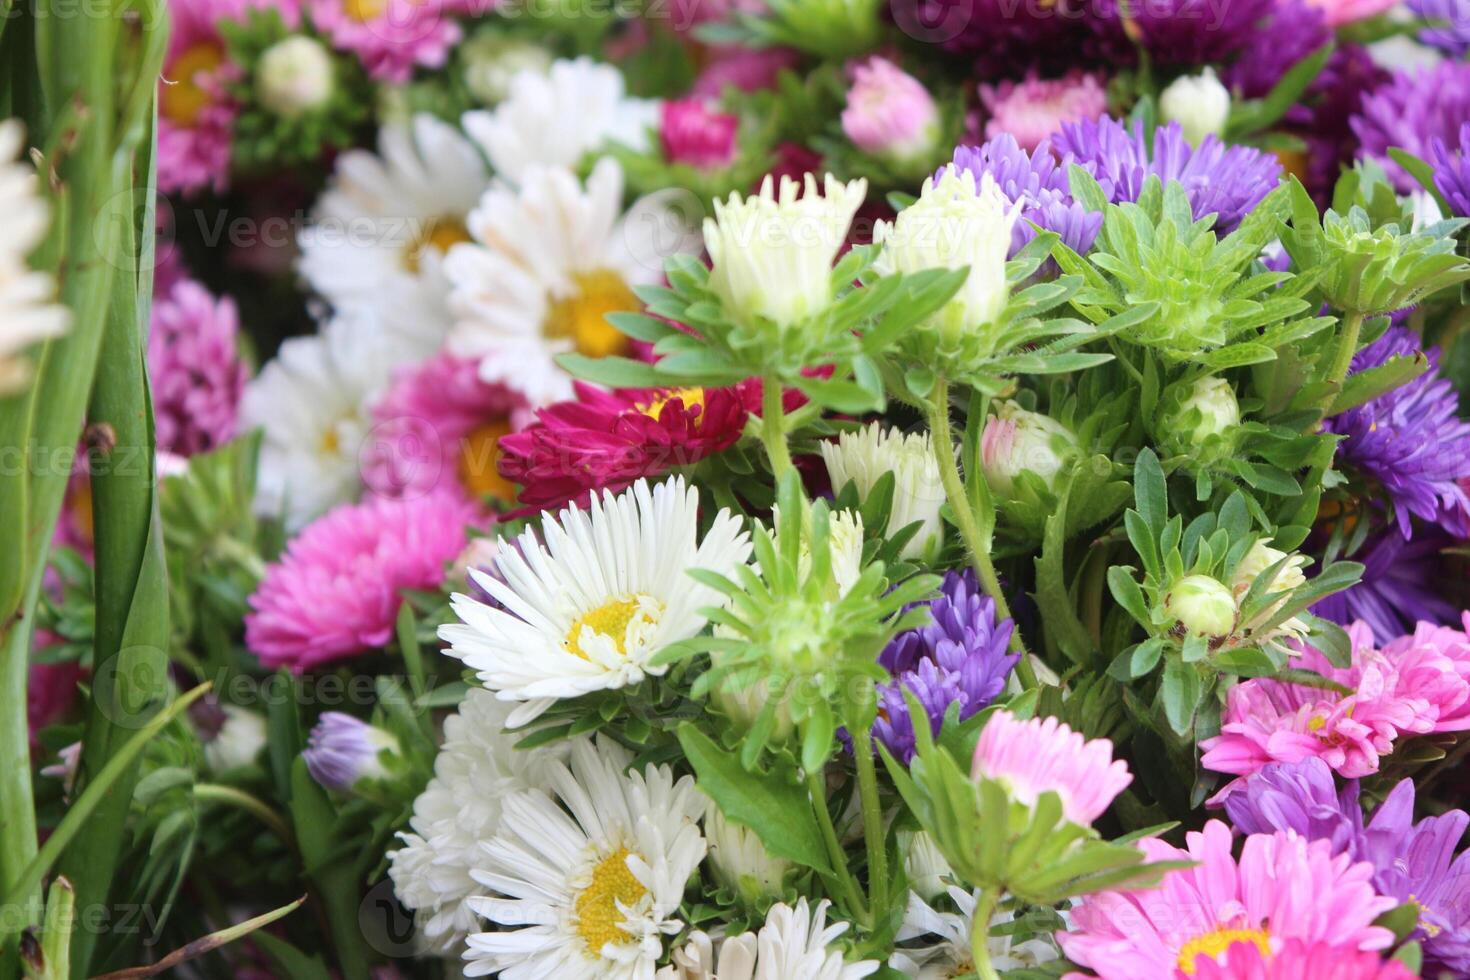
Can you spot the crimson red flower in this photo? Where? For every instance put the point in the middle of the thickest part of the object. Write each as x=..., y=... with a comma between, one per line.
x=608, y=440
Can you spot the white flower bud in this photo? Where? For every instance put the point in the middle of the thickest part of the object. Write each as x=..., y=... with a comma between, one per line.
x=294, y=77
x=1016, y=441
x=740, y=860
x=864, y=456
x=238, y=740
x=1202, y=605
x=1207, y=411
x=1200, y=104
x=491, y=62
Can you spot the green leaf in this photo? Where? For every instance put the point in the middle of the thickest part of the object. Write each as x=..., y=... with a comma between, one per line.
x=1362, y=387
x=615, y=372
x=1150, y=491
x=776, y=809
x=1180, y=691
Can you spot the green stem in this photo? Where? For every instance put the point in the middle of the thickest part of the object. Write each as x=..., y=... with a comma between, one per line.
x=773, y=426
x=817, y=789
x=959, y=504
x=980, y=933
x=1347, y=346
x=873, y=835
x=241, y=800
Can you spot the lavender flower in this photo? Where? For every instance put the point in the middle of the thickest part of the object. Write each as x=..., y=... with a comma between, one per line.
x=1411, y=111
x=1300, y=796
x=1227, y=181
x=959, y=658
x=1411, y=440
x=1452, y=173
x=1040, y=181
x=342, y=751
x=1451, y=33
x=1396, y=590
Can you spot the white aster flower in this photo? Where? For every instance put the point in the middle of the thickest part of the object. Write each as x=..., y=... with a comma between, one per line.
x=549, y=260
x=772, y=253
x=950, y=953
x=312, y=403
x=385, y=223
x=556, y=117
x=592, y=870
x=588, y=609
x=1200, y=104
x=27, y=311
x=928, y=871
x=955, y=224
x=864, y=456
x=793, y=944
x=1290, y=576
x=476, y=769
x=740, y=860
x=295, y=76
x=237, y=740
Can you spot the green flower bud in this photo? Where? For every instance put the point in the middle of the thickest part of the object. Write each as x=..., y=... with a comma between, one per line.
x=1202, y=605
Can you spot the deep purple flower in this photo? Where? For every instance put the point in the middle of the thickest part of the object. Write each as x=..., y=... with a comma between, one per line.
x=1041, y=182
x=1452, y=172
x=1452, y=31
x=1227, y=181
x=1397, y=588
x=1411, y=440
x=1178, y=32
x=1300, y=796
x=960, y=657
x=1323, y=118
x=1411, y=111
x=1289, y=34
x=1006, y=37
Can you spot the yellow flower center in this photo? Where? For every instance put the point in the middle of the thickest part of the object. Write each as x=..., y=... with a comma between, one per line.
x=581, y=316
x=478, y=455
x=363, y=11
x=612, y=619
x=331, y=443
x=690, y=398
x=599, y=921
x=1430, y=929
x=1216, y=942
x=183, y=99
x=439, y=235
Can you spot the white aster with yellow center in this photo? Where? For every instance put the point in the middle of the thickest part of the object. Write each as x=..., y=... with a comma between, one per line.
x=587, y=874
x=588, y=606
x=381, y=231
x=549, y=260
x=27, y=313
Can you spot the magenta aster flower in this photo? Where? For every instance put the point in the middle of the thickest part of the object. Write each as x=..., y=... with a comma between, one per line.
x=1227, y=181
x=1034, y=110
x=1272, y=721
x=1283, y=888
x=608, y=440
x=335, y=593
x=1297, y=960
x=1006, y=37
x=1451, y=30
x=1292, y=31
x=195, y=369
x=1178, y=32
x=1411, y=440
x=1042, y=755
x=51, y=691
x=1340, y=12
x=1040, y=181
x=1433, y=663
x=1397, y=589
x=1411, y=111
x=694, y=133
x=390, y=37
x=441, y=426
x=960, y=657
x=196, y=114
x=889, y=111
x=739, y=67
x=1452, y=171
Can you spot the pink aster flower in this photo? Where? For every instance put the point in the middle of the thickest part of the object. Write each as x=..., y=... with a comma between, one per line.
x=746, y=69
x=390, y=37
x=195, y=368
x=336, y=591
x=1339, y=12
x=196, y=114
x=441, y=426
x=1042, y=754
x=608, y=440
x=1283, y=888
x=1035, y=109
x=695, y=134
x=1297, y=960
x=889, y=111
x=1271, y=721
x=1433, y=663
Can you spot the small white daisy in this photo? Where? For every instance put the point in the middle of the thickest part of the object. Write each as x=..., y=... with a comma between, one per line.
x=382, y=228
x=549, y=260
x=476, y=769
x=794, y=944
x=950, y=953
x=27, y=311
x=588, y=609
x=862, y=457
x=592, y=870
x=553, y=118
x=312, y=403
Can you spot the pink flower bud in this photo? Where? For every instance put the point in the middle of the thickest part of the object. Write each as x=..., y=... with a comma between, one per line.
x=694, y=134
x=889, y=112
x=1035, y=109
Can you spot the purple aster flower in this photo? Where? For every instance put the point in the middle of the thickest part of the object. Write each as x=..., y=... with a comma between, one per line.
x=1411, y=111
x=1006, y=37
x=1451, y=33
x=1452, y=173
x=1397, y=589
x=1411, y=440
x=343, y=751
x=1179, y=32
x=196, y=369
x=1300, y=796
x=1289, y=34
x=1227, y=181
x=1323, y=118
x=1041, y=182
x=959, y=658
